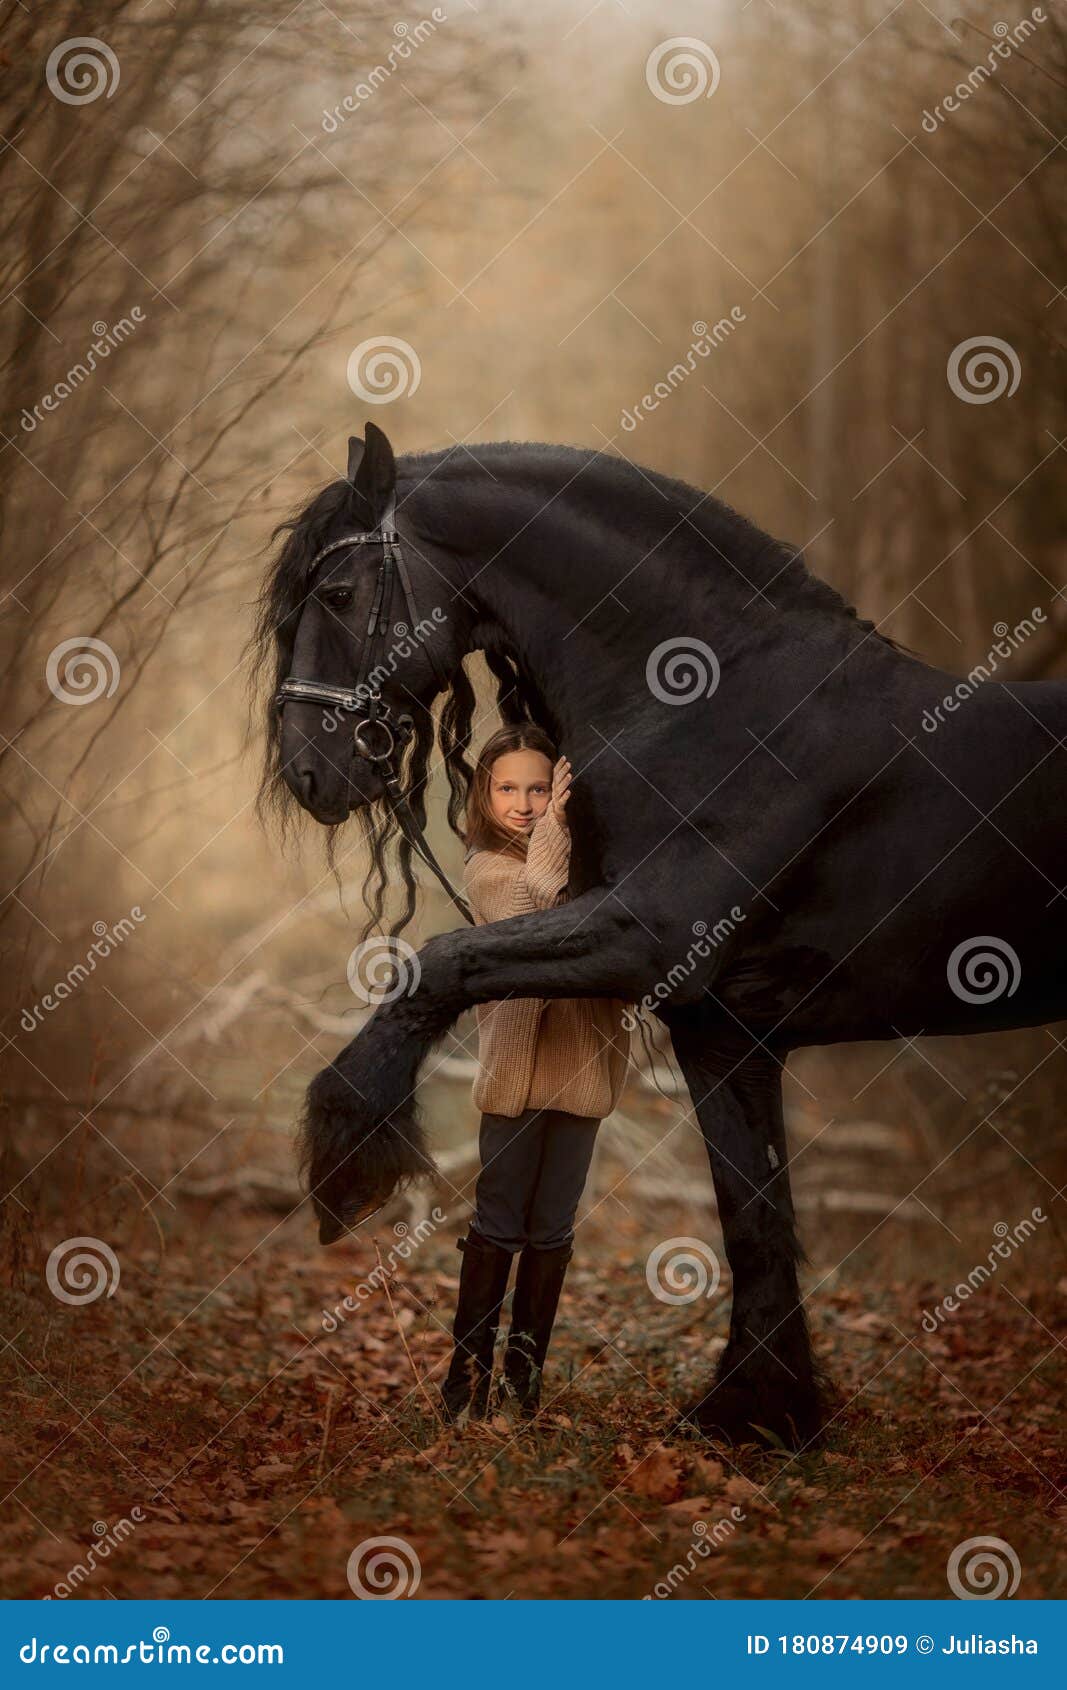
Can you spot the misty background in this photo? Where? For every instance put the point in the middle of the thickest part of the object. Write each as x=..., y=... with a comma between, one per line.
x=548, y=210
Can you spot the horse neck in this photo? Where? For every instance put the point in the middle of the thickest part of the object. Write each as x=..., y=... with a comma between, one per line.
x=582, y=603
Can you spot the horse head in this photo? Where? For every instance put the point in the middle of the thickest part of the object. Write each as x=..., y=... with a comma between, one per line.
x=357, y=656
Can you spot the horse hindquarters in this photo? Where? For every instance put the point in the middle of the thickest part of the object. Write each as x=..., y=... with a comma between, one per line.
x=766, y=1376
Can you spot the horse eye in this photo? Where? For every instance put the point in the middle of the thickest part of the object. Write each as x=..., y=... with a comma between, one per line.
x=339, y=599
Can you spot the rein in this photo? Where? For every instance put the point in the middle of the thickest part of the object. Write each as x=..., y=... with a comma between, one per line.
x=378, y=736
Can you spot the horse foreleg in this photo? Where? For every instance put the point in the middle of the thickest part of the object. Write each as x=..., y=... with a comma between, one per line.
x=766, y=1378
x=361, y=1138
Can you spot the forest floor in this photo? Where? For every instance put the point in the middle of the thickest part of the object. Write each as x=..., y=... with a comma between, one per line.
x=203, y=1432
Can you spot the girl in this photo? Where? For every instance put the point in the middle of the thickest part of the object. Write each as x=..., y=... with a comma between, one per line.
x=548, y=1071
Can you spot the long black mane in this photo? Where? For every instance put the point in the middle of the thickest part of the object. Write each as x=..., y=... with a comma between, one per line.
x=595, y=483
x=448, y=726
x=605, y=489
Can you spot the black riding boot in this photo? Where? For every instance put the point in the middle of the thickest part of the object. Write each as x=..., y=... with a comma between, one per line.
x=538, y=1284
x=483, y=1282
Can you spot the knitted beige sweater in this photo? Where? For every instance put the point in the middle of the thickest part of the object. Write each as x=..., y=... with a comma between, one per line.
x=535, y=1053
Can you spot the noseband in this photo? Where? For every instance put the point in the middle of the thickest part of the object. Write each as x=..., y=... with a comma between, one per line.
x=378, y=735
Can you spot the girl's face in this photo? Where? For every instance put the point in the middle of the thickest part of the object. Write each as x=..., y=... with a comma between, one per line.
x=520, y=786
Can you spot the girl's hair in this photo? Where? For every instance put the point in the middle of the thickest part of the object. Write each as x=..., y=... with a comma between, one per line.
x=483, y=832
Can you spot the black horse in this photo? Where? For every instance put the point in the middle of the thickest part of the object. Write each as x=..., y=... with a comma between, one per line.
x=754, y=764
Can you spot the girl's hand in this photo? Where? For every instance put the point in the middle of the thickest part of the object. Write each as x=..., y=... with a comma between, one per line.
x=561, y=782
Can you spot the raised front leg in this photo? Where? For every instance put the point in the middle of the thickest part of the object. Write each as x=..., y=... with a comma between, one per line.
x=361, y=1138
x=766, y=1376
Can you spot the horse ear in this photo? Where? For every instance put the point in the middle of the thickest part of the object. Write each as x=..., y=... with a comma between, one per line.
x=372, y=469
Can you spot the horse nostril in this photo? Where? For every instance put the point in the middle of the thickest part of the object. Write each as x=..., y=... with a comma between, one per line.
x=305, y=780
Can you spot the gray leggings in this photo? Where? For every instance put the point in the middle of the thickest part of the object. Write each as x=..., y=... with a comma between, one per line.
x=534, y=1168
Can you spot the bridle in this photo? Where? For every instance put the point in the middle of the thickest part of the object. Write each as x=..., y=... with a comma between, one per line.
x=379, y=734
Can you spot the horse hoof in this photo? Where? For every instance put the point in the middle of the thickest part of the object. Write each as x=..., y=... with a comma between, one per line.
x=733, y=1415
x=353, y=1159
x=330, y=1228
